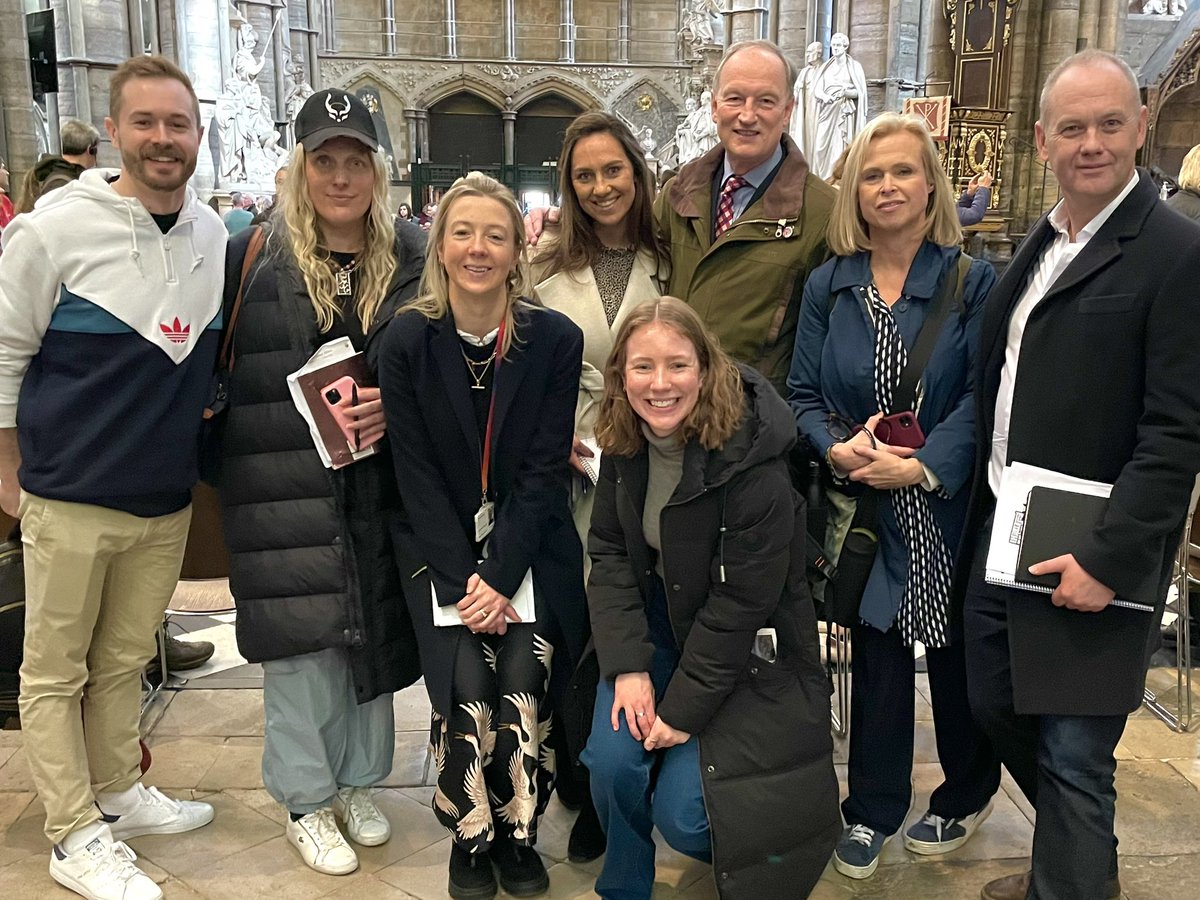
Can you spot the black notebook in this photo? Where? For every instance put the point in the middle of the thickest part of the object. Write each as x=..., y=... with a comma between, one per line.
x=1058, y=522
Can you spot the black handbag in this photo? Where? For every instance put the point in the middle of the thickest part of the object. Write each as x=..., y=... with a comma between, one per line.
x=845, y=592
x=12, y=622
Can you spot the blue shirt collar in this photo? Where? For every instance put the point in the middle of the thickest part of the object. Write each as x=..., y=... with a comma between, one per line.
x=758, y=174
x=927, y=266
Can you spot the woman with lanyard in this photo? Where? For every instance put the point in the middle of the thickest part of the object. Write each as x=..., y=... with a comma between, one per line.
x=311, y=564
x=865, y=312
x=603, y=259
x=479, y=390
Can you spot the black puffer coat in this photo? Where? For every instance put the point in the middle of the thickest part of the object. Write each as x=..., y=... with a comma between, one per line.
x=311, y=559
x=765, y=748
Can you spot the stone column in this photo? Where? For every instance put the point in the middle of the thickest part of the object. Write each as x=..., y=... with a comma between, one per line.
x=281, y=43
x=510, y=29
x=1088, y=34
x=328, y=26
x=566, y=39
x=451, y=30
x=623, y=31
x=76, y=52
x=312, y=43
x=410, y=120
x=389, y=27
x=18, y=142
x=422, y=118
x=510, y=129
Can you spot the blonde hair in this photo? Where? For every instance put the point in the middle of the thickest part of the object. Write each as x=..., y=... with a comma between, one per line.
x=433, y=296
x=378, y=263
x=1189, y=171
x=720, y=407
x=848, y=231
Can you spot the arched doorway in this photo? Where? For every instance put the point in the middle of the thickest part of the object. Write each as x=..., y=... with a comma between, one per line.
x=538, y=140
x=466, y=130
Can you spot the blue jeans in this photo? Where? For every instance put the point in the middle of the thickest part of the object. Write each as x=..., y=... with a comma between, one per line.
x=636, y=790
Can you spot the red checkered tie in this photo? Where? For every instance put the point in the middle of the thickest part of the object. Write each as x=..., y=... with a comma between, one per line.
x=725, y=204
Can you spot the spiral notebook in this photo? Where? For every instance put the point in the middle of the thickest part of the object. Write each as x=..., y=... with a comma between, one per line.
x=1041, y=514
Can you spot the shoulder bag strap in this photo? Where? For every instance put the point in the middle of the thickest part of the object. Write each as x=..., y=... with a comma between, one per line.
x=906, y=391
x=257, y=240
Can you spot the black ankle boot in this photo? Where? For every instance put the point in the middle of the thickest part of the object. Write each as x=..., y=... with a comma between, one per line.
x=471, y=875
x=521, y=871
x=587, y=840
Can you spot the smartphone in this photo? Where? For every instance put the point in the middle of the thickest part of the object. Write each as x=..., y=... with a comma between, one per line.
x=900, y=430
x=333, y=394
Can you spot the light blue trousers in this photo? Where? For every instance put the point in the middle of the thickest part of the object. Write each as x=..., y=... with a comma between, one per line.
x=318, y=738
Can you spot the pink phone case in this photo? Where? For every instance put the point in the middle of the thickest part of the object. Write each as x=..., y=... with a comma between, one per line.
x=332, y=394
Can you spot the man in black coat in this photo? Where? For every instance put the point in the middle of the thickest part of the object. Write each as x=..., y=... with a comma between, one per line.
x=1089, y=358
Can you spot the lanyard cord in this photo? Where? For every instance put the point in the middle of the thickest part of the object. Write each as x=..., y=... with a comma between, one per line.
x=487, y=433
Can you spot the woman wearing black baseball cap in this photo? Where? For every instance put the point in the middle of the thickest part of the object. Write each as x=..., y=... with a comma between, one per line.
x=311, y=563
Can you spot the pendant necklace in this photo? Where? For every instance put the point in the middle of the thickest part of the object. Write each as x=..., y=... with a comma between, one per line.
x=345, y=288
x=478, y=369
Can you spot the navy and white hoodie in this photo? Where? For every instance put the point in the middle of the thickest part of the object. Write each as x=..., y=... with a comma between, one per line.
x=108, y=335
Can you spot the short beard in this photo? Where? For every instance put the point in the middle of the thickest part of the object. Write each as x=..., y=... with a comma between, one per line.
x=134, y=164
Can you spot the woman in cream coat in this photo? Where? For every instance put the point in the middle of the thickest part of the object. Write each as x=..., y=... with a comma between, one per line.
x=603, y=261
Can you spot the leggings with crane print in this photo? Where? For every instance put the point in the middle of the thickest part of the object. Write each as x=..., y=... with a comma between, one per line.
x=495, y=766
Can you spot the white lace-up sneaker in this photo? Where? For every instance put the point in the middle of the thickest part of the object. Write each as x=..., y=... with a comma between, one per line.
x=321, y=845
x=365, y=824
x=102, y=870
x=156, y=813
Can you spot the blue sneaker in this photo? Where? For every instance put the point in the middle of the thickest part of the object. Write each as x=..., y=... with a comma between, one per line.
x=857, y=853
x=933, y=834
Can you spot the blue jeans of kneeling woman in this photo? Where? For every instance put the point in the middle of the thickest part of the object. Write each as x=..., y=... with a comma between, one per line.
x=636, y=790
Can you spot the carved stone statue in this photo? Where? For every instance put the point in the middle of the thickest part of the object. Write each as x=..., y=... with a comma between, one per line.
x=801, y=126
x=684, y=146
x=298, y=90
x=838, y=107
x=702, y=130
x=648, y=143
x=248, y=142
x=1159, y=7
x=701, y=24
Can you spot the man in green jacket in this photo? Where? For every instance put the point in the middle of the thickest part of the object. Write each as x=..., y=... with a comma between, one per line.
x=741, y=261
x=746, y=221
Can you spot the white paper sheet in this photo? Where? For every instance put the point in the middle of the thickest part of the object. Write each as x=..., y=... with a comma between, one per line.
x=1008, y=525
x=334, y=351
x=521, y=602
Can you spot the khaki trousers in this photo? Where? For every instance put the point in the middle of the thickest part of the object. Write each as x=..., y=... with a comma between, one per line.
x=97, y=581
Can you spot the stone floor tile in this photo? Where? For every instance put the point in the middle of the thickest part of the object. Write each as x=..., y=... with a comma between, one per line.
x=1148, y=738
x=409, y=762
x=181, y=761
x=674, y=869
x=1188, y=768
x=238, y=764
x=10, y=740
x=15, y=774
x=412, y=708
x=1122, y=752
x=1160, y=877
x=366, y=888
x=1158, y=810
x=234, y=828
x=932, y=881
x=225, y=713
x=569, y=882
x=924, y=711
x=924, y=743
x=554, y=831
x=6, y=754
x=258, y=800
x=423, y=874
x=269, y=870
x=21, y=820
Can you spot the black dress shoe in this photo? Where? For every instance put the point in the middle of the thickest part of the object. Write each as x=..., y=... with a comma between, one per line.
x=181, y=656
x=471, y=875
x=521, y=871
x=587, y=840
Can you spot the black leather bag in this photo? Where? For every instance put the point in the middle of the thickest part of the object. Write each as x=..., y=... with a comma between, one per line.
x=844, y=594
x=12, y=622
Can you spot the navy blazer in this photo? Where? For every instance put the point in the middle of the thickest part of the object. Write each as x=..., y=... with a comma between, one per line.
x=435, y=442
x=1105, y=390
x=833, y=370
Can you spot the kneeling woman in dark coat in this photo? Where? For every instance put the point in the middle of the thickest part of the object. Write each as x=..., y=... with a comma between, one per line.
x=712, y=713
x=479, y=388
x=311, y=562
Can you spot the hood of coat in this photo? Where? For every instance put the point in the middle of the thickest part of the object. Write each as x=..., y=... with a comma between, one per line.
x=768, y=431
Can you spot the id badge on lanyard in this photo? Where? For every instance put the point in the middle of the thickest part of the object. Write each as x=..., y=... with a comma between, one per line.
x=485, y=518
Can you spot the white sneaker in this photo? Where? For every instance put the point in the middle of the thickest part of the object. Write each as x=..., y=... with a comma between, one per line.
x=365, y=824
x=157, y=813
x=103, y=870
x=321, y=845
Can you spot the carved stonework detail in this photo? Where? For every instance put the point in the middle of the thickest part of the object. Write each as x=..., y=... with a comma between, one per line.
x=604, y=78
x=507, y=72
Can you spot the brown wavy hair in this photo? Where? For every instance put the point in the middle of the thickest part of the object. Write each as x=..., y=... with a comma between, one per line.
x=577, y=246
x=719, y=408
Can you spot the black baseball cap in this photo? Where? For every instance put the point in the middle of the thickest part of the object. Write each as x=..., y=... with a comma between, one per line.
x=334, y=113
